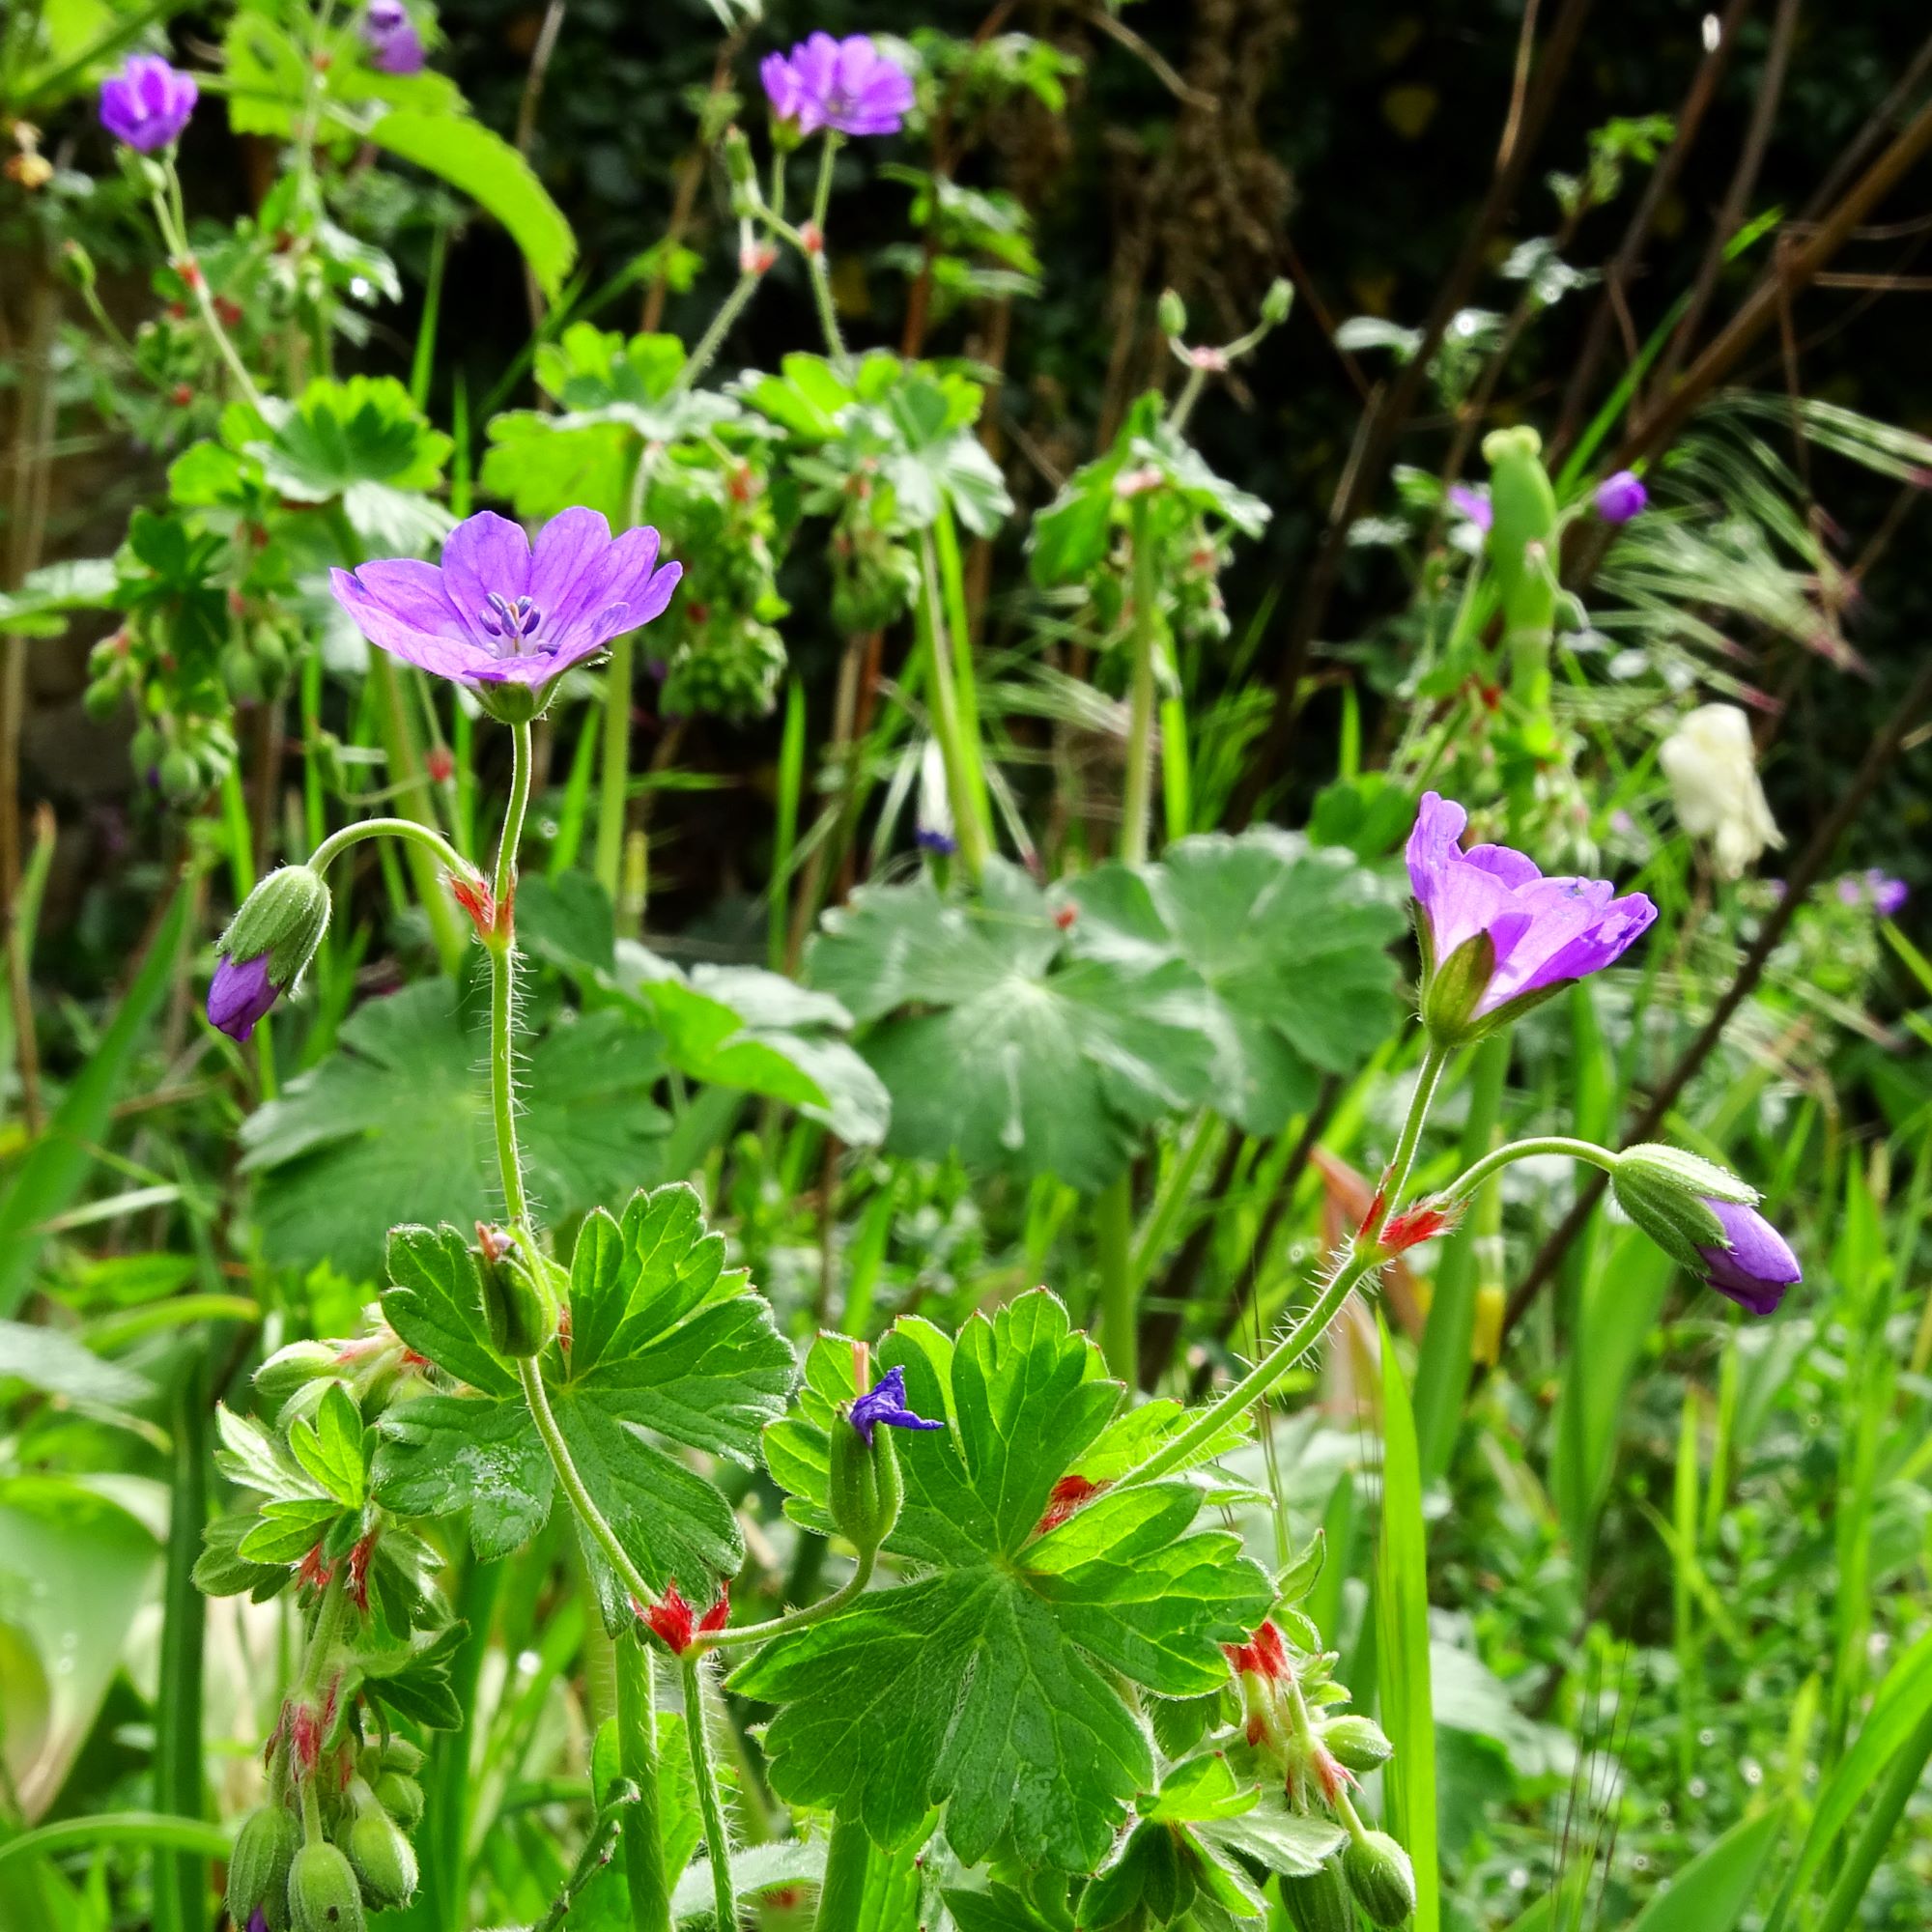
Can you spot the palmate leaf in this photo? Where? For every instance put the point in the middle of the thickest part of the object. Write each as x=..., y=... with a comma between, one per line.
x=987, y=1683
x=665, y=1346
x=1052, y=1063
x=1291, y=941
x=395, y=1127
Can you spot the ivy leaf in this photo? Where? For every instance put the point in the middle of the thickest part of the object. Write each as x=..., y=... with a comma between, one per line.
x=988, y=1683
x=665, y=1346
x=1291, y=941
x=396, y=1124
x=1052, y=1063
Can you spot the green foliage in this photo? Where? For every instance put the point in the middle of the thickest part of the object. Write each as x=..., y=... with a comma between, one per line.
x=982, y=1683
x=663, y=1338
x=394, y=1124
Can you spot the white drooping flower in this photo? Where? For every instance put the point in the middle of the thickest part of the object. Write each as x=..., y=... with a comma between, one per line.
x=1715, y=788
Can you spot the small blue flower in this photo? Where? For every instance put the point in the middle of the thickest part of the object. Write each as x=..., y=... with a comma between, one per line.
x=886, y=1402
x=930, y=838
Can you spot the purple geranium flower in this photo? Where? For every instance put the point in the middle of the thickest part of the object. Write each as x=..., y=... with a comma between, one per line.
x=848, y=85
x=1495, y=933
x=240, y=994
x=886, y=1402
x=1621, y=497
x=931, y=839
x=391, y=37
x=148, y=103
x=1879, y=890
x=1472, y=505
x=1755, y=1265
x=498, y=612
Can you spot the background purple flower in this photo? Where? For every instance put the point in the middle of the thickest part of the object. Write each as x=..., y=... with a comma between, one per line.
x=848, y=85
x=1544, y=932
x=240, y=994
x=1877, y=889
x=148, y=103
x=1472, y=505
x=391, y=37
x=497, y=612
x=1621, y=497
x=1758, y=1266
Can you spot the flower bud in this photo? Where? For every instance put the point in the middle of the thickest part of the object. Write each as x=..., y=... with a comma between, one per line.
x=1669, y=1193
x=400, y=1754
x=518, y=1303
x=1172, y=312
x=1381, y=1878
x=1321, y=1901
x=741, y=171
x=76, y=265
x=384, y=1859
x=401, y=1797
x=258, y=1867
x=274, y=934
x=1277, y=302
x=293, y=1368
x=1357, y=1741
x=324, y=1894
x=865, y=1489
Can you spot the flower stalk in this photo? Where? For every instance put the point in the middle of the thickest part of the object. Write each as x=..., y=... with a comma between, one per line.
x=704, y=1770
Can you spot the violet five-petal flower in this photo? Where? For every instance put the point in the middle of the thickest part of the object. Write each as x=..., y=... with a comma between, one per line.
x=1621, y=497
x=847, y=85
x=240, y=994
x=1755, y=1265
x=1472, y=505
x=1877, y=889
x=497, y=612
x=148, y=103
x=391, y=37
x=886, y=1402
x=1544, y=932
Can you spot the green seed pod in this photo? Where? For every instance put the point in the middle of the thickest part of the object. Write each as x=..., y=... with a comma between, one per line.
x=240, y=675
x=272, y=653
x=1277, y=302
x=294, y=1367
x=145, y=748
x=741, y=171
x=1522, y=552
x=1355, y=1742
x=258, y=1867
x=324, y=1894
x=102, y=699
x=285, y=917
x=384, y=1859
x=1381, y=1878
x=865, y=1489
x=518, y=1304
x=1172, y=312
x=177, y=776
x=1321, y=1901
x=400, y=1754
x=76, y=265
x=1668, y=1193
x=401, y=1797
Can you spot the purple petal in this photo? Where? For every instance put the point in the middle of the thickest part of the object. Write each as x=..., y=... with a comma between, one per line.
x=781, y=86
x=1621, y=497
x=1513, y=868
x=1438, y=824
x=483, y=554
x=1472, y=504
x=1757, y=1266
x=400, y=605
x=570, y=571
x=148, y=103
x=240, y=994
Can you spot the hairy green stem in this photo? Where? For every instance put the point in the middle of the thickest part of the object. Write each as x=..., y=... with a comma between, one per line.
x=968, y=828
x=717, y=1845
x=427, y=837
x=638, y=1760
x=502, y=950
x=713, y=338
x=1473, y=1177
x=1360, y=1260
x=792, y=1620
x=1134, y=792
x=812, y=246
x=1113, y=1244
x=176, y=242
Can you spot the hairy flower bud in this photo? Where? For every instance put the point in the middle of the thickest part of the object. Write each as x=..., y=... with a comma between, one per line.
x=384, y=1859
x=267, y=947
x=293, y=1367
x=324, y=1894
x=258, y=1867
x=1173, y=314
x=866, y=1488
x=1669, y=1193
x=518, y=1301
x=1277, y=302
x=76, y=265
x=1381, y=1878
x=1356, y=1741
x=401, y=1797
x=1319, y=1902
